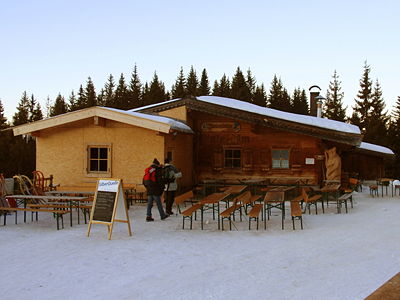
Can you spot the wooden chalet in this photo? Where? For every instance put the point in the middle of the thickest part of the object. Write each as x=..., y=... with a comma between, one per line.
x=209, y=138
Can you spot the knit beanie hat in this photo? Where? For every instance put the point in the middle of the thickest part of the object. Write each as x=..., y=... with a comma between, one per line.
x=156, y=162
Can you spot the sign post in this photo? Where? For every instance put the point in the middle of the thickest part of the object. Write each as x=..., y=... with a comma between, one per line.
x=109, y=205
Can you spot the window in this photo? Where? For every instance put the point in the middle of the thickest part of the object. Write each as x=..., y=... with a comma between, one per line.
x=99, y=159
x=280, y=159
x=232, y=158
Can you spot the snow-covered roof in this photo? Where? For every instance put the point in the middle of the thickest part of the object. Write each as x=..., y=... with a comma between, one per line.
x=158, y=123
x=177, y=125
x=375, y=148
x=269, y=112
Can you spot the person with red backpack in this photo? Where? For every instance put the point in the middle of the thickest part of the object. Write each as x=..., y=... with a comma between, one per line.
x=154, y=183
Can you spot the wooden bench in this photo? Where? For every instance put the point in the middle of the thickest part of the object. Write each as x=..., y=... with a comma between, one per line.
x=373, y=190
x=343, y=199
x=245, y=200
x=254, y=214
x=188, y=214
x=296, y=212
x=58, y=213
x=227, y=214
x=85, y=208
x=311, y=200
x=181, y=199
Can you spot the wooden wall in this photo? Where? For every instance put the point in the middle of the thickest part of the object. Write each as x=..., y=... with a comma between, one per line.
x=61, y=151
x=214, y=134
x=364, y=166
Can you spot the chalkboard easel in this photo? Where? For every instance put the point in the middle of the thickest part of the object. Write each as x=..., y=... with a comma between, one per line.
x=109, y=205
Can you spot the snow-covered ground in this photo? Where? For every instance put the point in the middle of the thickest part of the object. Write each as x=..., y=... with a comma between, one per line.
x=336, y=256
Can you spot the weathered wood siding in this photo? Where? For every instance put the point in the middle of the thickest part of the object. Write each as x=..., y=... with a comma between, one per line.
x=215, y=134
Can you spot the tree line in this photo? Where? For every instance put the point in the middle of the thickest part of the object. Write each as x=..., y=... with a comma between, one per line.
x=369, y=110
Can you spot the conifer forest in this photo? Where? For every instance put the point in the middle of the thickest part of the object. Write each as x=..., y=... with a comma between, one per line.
x=369, y=111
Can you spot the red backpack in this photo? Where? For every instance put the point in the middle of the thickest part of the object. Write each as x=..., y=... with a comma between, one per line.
x=149, y=174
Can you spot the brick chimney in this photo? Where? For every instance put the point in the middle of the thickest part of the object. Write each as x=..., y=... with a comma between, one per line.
x=313, y=102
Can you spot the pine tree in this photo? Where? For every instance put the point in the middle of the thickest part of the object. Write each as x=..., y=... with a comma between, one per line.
x=109, y=93
x=394, y=138
x=145, y=95
x=72, y=102
x=333, y=107
x=260, y=96
x=223, y=88
x=239, y=88
x=59, y=107
x=22, y=114
x=100, y=98
x=204, y=86
x=6, y=143
x=135, y=90
x=192, y=83
x=48, y=107
x=81, y=101
x=178, y=90
x=362, y=106
x=299, y=102
x=121, y=94
x=376, y=132
x=278, y=96
x=157, y=92
x=251, y=84
x=90, y=93
x=3, y=119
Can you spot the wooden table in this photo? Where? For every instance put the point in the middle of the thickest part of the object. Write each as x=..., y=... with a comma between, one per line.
x=276, y=197
x=384, y=182
x=53, y=198
x=235, y=189
x=213, y=199
x=330, y=189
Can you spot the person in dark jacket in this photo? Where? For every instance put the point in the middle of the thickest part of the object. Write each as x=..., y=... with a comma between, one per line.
x=171, y=173
x=153, y=181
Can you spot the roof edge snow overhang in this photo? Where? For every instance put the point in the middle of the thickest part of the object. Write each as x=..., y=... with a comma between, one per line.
x=97, y=111
x=352, y=139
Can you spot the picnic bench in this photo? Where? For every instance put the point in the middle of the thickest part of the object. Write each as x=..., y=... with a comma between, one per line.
x=296, y=212
x=46, y=203
x=188, y=214
x=254, y=214
x=58, y=213
x=243, y=200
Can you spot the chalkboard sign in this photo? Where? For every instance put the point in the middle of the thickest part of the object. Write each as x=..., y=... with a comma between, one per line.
x=109, y=205
x=104, y=206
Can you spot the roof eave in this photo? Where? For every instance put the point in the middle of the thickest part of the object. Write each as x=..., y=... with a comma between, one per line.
x=88, y=113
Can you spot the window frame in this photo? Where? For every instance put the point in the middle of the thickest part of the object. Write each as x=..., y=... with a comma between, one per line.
x=88, y=159
x=233, y=158
x=281, y=159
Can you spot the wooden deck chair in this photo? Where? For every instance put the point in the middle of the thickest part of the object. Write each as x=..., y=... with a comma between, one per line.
x=295, y=211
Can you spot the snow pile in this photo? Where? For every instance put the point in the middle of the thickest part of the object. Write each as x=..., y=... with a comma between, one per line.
x=336, y=256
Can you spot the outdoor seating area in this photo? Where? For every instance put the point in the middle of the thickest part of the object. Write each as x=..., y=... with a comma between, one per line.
x=38, y=195
x=210, y=205
x=229, y=203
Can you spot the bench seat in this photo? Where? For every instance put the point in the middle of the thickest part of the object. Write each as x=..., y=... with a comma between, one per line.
x=254, y=214
x=59, y=213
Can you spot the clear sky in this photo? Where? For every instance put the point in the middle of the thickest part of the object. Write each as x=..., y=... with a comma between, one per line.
x=51, y=47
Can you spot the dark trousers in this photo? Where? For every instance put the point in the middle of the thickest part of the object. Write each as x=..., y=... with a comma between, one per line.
x=169, y=200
